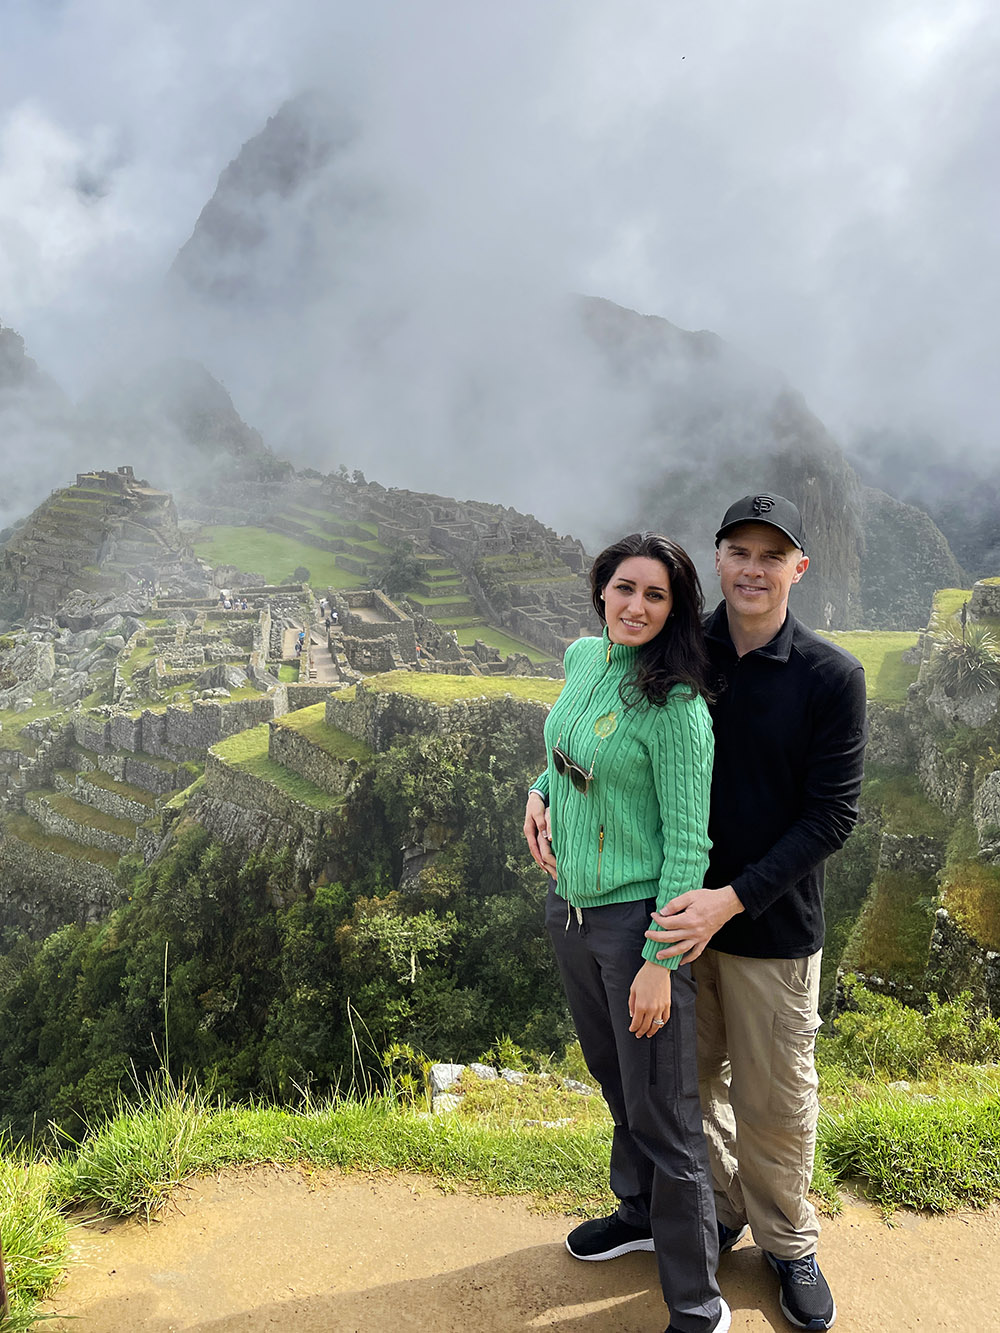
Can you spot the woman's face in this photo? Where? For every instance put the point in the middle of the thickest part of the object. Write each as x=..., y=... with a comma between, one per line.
x=637, y=600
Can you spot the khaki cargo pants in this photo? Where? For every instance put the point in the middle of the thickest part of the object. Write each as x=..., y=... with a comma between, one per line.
x=757, y=1022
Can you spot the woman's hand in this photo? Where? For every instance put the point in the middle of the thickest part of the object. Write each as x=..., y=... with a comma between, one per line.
x=537, y=830
x=649, y=1000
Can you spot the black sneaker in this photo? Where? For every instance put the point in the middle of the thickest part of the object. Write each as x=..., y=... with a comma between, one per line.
x=724, y=1324
x=805, y=1296
x=607, y=1238
x=730, y=1236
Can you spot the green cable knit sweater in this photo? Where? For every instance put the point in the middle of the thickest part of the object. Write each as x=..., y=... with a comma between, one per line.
x=641, y=830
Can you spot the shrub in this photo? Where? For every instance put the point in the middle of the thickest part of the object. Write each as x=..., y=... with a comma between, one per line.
x=880, y=1036
x=965, y=664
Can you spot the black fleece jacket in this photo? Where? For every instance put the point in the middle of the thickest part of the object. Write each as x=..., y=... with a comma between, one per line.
x=790, y=734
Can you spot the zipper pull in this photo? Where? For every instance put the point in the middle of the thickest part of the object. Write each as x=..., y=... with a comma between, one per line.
x=607, y=660
x=600, y=839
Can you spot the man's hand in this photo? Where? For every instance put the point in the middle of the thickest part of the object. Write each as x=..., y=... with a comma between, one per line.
x=538, y=833
x=691, y=919
x=649, y=1000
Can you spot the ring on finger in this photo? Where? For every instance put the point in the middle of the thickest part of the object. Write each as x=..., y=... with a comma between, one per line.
x=659, y=1022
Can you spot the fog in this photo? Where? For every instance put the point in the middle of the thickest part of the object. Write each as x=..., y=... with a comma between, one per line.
x=815, y=185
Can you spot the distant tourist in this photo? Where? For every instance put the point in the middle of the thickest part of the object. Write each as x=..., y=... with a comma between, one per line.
x=334, y=617
x=790, y=735
x=622, y=807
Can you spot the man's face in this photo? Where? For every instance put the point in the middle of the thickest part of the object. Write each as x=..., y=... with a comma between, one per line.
x=757, y=566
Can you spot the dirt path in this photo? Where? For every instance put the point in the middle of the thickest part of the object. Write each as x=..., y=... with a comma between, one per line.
x=278, y=1250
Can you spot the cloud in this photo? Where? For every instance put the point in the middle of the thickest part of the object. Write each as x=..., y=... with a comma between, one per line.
x=815, y=184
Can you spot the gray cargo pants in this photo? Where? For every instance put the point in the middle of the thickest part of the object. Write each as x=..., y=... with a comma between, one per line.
x=659, y=1163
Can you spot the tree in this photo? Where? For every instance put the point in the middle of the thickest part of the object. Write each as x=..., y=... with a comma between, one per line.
x=399, y=571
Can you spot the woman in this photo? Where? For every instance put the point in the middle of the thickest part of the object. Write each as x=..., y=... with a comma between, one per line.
x=619, y=820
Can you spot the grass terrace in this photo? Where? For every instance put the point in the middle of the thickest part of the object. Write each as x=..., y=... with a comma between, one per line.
x=949, y=601
x=495, y=638
x=881, y=654
x=98, y=778
x=12, y=724
x=443, y=689
x=272, y=555
x=86, y=815
x=971, y=893
x=310, y=722
x=248, y=750
x=26, y=830
x=892, y=936
x=904, y=807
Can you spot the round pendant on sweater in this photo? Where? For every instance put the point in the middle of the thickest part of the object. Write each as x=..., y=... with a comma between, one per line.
x=605, y=725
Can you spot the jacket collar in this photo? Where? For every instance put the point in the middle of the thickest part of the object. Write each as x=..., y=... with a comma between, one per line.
x=779, y=649
x=623, y=654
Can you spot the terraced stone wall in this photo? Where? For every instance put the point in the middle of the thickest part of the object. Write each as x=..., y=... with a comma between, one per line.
x=290, y=748
x=985, y=599
x=176, y=733
x=237, y=787
x=379, y=719
x=53, y=821
x=41, y=890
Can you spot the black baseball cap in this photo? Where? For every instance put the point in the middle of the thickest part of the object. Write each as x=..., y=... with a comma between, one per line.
x=774, y=510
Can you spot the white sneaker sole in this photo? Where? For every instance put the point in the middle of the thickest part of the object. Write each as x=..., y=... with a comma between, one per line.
x=628, y=1248
x=812, y=1323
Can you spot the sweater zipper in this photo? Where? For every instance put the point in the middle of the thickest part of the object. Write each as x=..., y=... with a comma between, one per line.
x=600, y=854
x=590, y=696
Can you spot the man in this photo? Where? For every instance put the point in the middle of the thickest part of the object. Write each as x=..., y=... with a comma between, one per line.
x=790, y=733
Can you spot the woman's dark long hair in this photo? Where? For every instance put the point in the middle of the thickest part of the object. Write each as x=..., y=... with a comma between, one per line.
x=677, y=655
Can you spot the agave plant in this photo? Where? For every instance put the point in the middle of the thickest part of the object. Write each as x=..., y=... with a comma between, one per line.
x=965, y=664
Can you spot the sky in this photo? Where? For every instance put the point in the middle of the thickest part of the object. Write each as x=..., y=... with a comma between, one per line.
x=817, y=185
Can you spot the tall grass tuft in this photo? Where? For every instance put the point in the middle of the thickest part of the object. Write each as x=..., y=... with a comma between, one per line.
x=34, y=1238
x=937, y=1155
x=132, y=1162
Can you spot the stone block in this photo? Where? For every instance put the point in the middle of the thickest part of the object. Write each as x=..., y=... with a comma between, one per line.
x=444, y=1076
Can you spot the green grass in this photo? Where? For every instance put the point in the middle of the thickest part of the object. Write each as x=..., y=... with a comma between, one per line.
x=98, y=778
x=12, y=724
x=902, y=804
x=444, y=689
x=495, y=638
x=34, y=1234
x=971, y=893
x=273, y=555
x=949, y=601
x=935, y=1147
x=892, y=936
x=311, y=723
x=26, y=830
x=248, y=750
x=288, y=673
x=934, y=1156
x=86, y=815
x=458, y=598
x=881, y=654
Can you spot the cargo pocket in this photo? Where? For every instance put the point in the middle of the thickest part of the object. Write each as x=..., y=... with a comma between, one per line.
x=792, y=1098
